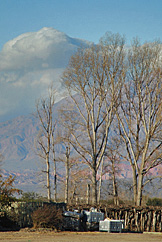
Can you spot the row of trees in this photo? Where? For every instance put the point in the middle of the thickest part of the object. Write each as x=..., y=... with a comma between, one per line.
x=113, y=110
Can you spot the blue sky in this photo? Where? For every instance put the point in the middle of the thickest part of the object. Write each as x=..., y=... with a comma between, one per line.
x=86, y=19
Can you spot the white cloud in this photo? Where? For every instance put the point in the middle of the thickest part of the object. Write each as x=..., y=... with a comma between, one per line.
x=28, y=64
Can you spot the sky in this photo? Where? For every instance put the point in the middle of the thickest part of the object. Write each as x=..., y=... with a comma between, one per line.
x=86, y=19
x=25, y=60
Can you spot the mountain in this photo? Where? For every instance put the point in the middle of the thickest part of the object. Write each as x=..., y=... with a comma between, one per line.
x=17, y=138
x=16, y=142
x=28, y=64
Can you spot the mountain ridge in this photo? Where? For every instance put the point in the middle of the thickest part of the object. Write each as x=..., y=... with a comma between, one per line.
x=28, y=64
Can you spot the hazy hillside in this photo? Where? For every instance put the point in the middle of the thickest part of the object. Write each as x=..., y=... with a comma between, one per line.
x=17, y=143
x=17, y=146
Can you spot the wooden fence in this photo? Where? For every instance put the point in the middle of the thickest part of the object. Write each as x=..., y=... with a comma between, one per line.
x=138, y=219
x=135, y=218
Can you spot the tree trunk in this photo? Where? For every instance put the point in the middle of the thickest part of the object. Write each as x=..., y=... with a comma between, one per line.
x=73, y=193
x=134, y=185
x=67, y=184
x=67, y=176
x=94, y=187
x=88, y=194
x=55, y=188
x=115, y=190
x=54, y=169
x=100, y=182
x=139, y=190
x=48, y=177
x=55, y=181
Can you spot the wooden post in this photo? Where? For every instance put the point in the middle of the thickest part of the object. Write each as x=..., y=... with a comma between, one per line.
x=126, y=218
x=136, y=219
x=149, y=221
x=160, y=222
x=154, y=222
x=120, y=214
x=105, y=212
x=158, y=219
x=145, y=221
x=142, y=221
x=113, y=214
x=116, y=215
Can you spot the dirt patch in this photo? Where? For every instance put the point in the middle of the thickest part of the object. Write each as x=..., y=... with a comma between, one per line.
x=24, y=236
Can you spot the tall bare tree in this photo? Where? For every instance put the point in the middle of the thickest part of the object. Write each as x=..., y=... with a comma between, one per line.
x=54, y=161
x=140, y=113
x=67, y=174
x=100, y=181
x=93, y=80
x=68, y=156
x=112, y=167
x=44, y=109
x=64, y=155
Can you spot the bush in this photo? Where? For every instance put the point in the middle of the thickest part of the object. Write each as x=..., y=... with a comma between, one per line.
x=48, y=216
x=8, y=222
x=154, y=202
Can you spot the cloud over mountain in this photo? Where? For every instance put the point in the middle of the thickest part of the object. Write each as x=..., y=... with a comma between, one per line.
x=28, y=64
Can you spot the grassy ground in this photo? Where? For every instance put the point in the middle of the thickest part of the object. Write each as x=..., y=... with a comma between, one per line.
x=23, y=236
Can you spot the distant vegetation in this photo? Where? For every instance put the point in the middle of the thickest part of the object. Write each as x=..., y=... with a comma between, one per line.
x=32, y=197
x=154, y=202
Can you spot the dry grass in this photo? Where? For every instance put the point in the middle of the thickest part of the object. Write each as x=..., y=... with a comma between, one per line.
x=46, y=236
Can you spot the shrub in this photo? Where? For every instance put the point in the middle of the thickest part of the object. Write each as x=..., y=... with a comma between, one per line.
x=48, y=216
x=154, y=202
x=8, y=221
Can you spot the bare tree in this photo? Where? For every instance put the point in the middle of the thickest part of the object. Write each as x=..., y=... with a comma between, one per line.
x=113, y=161
x=100, y=180
x=44, y=109
x=93, y=80
x=67, y=174
x=64, y=155
x=111, y=164
x=139, y=116
x=54, y=161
